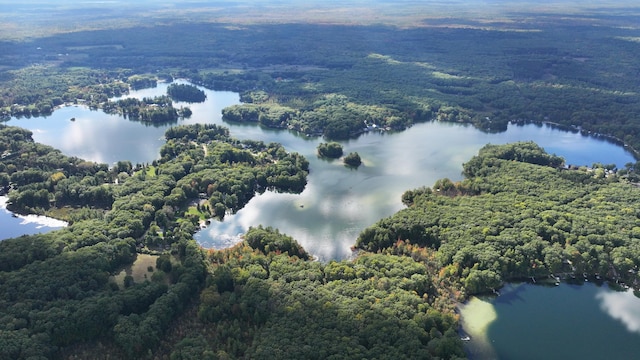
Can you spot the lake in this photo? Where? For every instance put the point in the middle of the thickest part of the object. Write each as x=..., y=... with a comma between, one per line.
x=339, y=202
x=104, y=138
x=16, y=225
x=528, y=321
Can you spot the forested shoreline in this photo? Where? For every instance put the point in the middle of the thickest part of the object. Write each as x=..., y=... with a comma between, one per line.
x=520, y=214
x=63, y=298
x=362, y=78
x=455, y=239
x=126, y=279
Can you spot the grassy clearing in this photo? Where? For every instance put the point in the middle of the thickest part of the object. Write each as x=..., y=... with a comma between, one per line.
x=139, y=270
x=150, y=171
x=202, y=215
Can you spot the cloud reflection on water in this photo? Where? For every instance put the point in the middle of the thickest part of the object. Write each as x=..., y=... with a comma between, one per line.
x=337, y=203
x=38, y=222
x=622, y=306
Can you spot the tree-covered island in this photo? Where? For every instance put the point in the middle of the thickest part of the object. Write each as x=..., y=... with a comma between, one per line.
x=157, y=110
x=332, y=150
x=352, y=160
x=186, y=92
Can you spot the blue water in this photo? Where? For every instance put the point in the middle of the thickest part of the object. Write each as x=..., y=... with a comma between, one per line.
x=13, y=226
x=586, y=321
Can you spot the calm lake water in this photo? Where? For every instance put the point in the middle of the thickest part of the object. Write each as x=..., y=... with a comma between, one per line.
x=16, y=225
x=338, y=203
x=558, y=322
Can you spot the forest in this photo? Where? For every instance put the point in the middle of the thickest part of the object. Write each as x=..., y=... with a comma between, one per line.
x=63, y=298
x=126, y=279
x=517, y=68
x=186, y=92
x=519, y=214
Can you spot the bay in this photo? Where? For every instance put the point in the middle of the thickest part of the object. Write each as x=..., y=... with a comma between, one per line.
x=16, y=225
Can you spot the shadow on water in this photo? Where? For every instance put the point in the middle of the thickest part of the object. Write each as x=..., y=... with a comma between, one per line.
x=509, y=294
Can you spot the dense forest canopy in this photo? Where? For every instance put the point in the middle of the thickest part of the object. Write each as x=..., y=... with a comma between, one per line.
x=63, y=295
x=569, y=65
x=520, y=214
x=126, y=279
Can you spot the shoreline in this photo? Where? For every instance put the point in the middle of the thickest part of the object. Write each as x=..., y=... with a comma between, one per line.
x=40, y=220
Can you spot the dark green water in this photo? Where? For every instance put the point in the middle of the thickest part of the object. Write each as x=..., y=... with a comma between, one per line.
x=555, y=322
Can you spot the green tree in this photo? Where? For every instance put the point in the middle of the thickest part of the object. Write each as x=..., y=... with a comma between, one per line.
x=352, y=160
x=330, y=150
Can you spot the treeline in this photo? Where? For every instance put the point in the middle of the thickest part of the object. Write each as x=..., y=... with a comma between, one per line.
x=333, y=116
x=138, y=82
x=520, y=214
x=273, y=116
x=37, y=90
x=264, y=301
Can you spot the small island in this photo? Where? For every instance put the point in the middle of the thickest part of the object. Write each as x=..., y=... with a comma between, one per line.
x=186, y=92
x=352, y=160
x=156, y=110
x=331, y=150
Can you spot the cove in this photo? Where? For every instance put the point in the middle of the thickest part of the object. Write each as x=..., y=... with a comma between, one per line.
x=17, y=225
x=526, y=321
